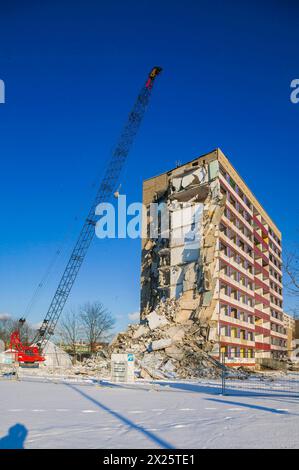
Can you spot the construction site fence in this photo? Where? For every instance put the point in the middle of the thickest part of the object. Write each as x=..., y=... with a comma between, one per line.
x=249, y=377
x=232, y=380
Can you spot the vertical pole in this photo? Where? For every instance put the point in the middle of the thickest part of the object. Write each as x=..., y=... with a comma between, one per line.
x=223, y=373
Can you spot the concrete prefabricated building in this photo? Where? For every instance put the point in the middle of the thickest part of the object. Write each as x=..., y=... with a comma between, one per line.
x=213, y=217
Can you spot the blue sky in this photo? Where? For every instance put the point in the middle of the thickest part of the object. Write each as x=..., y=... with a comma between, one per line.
x=72, y=71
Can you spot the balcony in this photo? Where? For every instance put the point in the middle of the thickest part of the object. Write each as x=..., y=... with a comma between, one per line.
x=260, y=255
x=262, y=284
x=229, y=341
x=238, y=215
x=231, y=190
x=261, y=226
x=259, y=313
x=261, y=330
x=262, y=346
x=261, y=240
x=236, y=284
x=235, y=247
x=235, y=265
x=261, y=300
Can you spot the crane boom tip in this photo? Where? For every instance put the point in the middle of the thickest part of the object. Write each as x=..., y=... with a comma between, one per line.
x=152, y=75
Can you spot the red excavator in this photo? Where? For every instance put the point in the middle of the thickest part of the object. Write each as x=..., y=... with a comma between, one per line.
x=109, y=184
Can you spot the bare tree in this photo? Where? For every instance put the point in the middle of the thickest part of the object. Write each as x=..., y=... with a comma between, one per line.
x=97, y=322
x=291, y=271
x=5, y=328
x=70, y=330
x=291, y=278
x=9, y=324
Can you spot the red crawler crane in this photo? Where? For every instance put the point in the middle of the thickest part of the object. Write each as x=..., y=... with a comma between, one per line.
x=107, y=187
x=25, y=354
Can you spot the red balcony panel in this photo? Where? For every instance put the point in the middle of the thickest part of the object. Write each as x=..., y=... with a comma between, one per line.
x=259, y=223
x=260, y=314
x=261, y=284
x=260, y=239
x=261, y=330
x=259, y=254
x=262, y=300
x=262, y=346
x=259, y=268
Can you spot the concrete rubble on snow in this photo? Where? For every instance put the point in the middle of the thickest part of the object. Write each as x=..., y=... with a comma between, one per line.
x=98, y=365
x=164, y=347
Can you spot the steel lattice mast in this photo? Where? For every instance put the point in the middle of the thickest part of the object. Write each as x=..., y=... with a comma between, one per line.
x=106, y=189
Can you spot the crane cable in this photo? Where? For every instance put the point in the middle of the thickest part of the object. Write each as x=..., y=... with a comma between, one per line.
x=61, y=249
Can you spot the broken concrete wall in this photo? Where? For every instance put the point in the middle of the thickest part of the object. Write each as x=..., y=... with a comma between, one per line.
x=184, y=266
x=167, y=345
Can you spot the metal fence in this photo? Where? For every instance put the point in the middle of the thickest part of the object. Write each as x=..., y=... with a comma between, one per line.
x=246, y=380
x=8, y=371
x=59, y=367
x=287, y=385
x=231, y=381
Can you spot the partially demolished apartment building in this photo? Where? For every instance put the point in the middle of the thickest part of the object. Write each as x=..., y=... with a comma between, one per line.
x=225, y=270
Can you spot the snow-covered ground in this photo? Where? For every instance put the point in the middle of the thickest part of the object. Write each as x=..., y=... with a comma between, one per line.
x=164, y=415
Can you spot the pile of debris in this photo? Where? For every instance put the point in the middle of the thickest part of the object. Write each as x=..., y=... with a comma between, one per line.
x=97, y=365
x=165, y=347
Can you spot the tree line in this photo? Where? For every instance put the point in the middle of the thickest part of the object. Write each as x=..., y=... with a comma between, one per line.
x=90, y=323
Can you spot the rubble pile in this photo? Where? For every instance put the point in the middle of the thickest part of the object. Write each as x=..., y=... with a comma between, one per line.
x=98, y=365
x=166, y=348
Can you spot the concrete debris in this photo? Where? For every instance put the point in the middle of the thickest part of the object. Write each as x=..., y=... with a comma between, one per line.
x=141, y=330
x=176, y=333
x=160, y=344
x=156, y=321
x=175, y=353
x=182, y=316
x=166, y=345
x=97, y=365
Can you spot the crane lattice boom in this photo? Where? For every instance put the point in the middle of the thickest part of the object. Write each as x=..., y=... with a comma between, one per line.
x=106, y=189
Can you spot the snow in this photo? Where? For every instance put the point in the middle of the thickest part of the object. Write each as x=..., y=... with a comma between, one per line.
x=87, y=414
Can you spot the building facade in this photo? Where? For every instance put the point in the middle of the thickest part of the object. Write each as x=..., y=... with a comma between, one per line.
x=220, y=258
x=290, y=326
